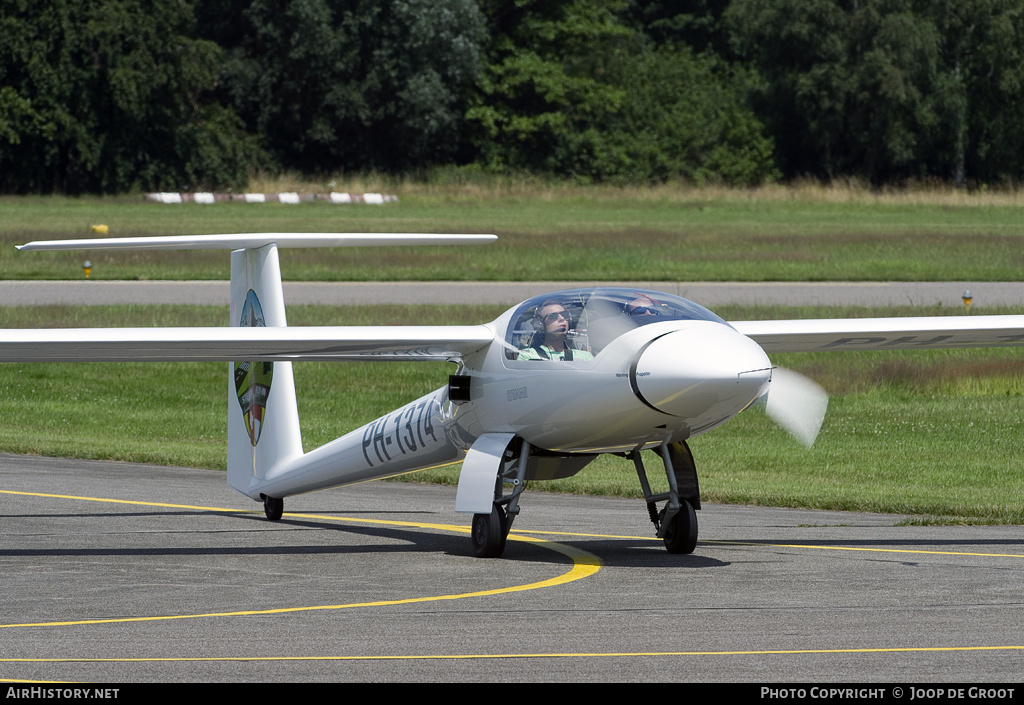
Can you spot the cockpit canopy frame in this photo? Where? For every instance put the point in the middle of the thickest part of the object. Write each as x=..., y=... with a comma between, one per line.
x=598, y=316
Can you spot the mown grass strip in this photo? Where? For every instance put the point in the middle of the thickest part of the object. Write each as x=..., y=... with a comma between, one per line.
x=561, y=233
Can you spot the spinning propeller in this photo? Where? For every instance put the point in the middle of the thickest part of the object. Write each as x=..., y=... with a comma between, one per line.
x=797, y=404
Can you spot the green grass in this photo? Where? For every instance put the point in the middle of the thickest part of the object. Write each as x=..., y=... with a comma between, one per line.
x=562, y=234
x=930, y=433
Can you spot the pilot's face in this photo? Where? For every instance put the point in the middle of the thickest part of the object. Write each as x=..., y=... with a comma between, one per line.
x=555, y=319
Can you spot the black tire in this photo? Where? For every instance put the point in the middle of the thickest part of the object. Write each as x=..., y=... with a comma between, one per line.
x=681, y=532
x=489, y=532
x=273, y=507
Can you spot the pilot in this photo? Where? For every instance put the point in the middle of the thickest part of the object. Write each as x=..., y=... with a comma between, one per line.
x=551, y=345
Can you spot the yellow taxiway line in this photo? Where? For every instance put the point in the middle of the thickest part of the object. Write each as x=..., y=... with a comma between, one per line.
x=584, y=564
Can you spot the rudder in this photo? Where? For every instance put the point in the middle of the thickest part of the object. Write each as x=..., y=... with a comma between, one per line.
x=263, y=417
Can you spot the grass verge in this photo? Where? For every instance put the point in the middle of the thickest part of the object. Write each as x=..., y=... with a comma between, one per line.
x=562, y=232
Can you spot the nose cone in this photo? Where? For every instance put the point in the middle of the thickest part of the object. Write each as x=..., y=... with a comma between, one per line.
x=704, y=373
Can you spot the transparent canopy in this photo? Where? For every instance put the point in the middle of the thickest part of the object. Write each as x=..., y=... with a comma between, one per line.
x=586, y=320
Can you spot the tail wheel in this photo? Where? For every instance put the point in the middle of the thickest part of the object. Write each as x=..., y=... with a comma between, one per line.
x=273, y=507
x=489, y=532
x=681, y=532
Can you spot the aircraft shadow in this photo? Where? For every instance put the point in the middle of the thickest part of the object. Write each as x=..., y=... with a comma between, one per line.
x=619, y=552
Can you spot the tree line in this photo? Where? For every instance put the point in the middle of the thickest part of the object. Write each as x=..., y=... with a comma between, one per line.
x=107, y=96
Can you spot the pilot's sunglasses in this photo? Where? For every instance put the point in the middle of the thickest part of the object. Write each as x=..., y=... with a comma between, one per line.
x=552, y=317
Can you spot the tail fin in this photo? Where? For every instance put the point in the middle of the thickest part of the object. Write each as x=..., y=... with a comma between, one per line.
x=263, y=417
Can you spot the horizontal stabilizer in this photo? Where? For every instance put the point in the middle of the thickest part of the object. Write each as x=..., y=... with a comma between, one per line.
x=238, y=241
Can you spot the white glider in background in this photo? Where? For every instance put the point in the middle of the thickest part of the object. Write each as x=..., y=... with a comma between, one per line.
x=537, y=394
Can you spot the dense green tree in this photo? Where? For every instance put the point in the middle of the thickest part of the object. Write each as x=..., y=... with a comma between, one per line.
x=696, y=24
x=356, y=85
x=683, y=116
x=572, y=90
x=851, y=86
x=105, y=97
x=545, y=83
x=982, y=54
x=890, y=89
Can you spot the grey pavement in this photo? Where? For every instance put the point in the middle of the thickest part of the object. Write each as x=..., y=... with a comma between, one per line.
x=28, y=293
x=121, y=573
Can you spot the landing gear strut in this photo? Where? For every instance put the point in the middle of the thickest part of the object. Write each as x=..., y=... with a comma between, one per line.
x=490, y=530
x=273, y=507
x=676, y=523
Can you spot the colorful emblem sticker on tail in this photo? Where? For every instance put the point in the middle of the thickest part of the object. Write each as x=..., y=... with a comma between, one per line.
x=252, y=379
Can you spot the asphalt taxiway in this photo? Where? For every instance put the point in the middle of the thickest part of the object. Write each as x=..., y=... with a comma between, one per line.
x=117, y=572
x=711, y=294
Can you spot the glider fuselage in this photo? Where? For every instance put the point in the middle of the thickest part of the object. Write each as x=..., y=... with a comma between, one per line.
x=646, y=382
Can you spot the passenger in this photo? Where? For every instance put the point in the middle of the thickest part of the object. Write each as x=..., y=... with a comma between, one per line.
x=642, y=307
x=551, y=344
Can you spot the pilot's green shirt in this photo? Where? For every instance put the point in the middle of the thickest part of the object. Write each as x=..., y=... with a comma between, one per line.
x=532, y=354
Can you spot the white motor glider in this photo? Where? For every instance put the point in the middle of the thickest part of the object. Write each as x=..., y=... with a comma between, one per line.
x=537, y=394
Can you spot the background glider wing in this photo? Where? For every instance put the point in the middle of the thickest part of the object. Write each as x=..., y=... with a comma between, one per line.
x=396, y=343
x=814, y=335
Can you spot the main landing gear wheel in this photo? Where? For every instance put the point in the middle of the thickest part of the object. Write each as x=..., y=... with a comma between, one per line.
x=273, y=507
x=489, y=532
x=681, y=532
